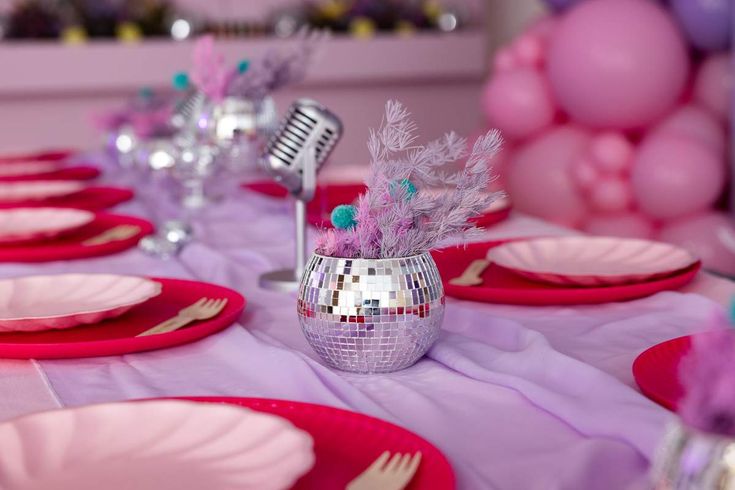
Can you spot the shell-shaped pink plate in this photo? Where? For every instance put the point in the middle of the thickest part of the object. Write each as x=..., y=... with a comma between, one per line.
x=591, y=261
x=27, y=168
x=34, y=303
x=30, y=224
x=152, y=445
x=37, y=190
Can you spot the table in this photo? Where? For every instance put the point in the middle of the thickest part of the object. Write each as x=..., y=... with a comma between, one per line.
x=516, y=397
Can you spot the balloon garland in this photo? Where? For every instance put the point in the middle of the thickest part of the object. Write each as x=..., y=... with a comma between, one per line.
x=616, y=114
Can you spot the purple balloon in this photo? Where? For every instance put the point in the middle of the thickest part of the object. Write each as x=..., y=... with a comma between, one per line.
x=707, y=23
x=561, y=4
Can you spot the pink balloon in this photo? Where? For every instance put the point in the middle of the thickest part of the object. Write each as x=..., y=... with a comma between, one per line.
x=672, y=176
x=626, y=225
x=585, y=173
x=612, y=152
x=617, y=64
x=695, y=123
x=539, y=177
x=710, y=235
x=518, y=103
x=713, y=87
x=611, y=194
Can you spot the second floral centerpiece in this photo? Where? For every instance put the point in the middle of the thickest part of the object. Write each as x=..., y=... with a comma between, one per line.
x=371, y=299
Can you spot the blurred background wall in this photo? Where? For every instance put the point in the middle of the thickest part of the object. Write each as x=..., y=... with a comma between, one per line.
x=49, y=91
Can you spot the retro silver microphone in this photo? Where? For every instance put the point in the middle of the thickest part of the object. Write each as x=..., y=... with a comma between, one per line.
x=303, y=142
x=307, y=134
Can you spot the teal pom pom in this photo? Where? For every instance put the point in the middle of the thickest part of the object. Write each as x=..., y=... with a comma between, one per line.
x=145, y=93
x=180, y=81
x=407, y=186
x=343, y=217
x=243, y=66
x=732, y=313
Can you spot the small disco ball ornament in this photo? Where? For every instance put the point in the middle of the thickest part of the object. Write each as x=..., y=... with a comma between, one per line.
x=183, y=26
x=448, y=20
x=287, y=22
x=157, y=154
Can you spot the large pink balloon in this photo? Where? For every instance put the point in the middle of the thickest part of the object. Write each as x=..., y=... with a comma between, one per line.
x=673, y=176
x=710, y=235
x=714, y=85
x=518, y=102
x=626, y=225
x=539, y=177
x=617, y=63
x=693, y=122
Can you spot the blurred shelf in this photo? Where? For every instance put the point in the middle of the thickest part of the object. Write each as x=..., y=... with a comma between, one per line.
x=34, y=68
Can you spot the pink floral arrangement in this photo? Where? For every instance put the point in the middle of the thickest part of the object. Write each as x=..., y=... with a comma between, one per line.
x=252, y=79
x=413, y=202
x=707, y=374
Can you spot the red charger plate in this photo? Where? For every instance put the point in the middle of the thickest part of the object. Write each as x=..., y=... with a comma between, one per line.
x=91, y=199
x=66, y=173
x=346, y=443
x=504, y=286
x=50, y=156
x=327, y=197
x=117, y=336
x=656, y=371
x=70, y=246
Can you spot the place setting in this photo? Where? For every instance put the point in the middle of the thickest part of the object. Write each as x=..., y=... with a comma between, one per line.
x=88, y=315
x=330, y=195
x=222, y=443
x=15, y=169
x=563, y=270
x=61, y=193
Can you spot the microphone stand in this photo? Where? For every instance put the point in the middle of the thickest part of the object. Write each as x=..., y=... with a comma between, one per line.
x=287, y=280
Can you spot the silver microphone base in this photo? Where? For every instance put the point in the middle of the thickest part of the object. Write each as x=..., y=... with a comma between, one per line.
x=283, y=281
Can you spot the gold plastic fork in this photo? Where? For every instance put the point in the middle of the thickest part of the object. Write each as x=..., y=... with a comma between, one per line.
x=116, y=233
x=204, y=309
x=472, y=274
x=388, y=473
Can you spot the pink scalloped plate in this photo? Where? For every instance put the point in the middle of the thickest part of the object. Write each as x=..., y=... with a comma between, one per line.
x=27, y=168
x=89, y=198
x=500, y=285
x=46, y=155
x=23, y=225
x=117, y=336
x=346, y=443
x=35, y=303
x=153, y=445
x=17, y=192
x=81, y=172
x=68, y=246
x=591, y=261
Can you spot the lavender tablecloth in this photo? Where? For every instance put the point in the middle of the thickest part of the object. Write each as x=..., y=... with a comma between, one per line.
x=517, y=397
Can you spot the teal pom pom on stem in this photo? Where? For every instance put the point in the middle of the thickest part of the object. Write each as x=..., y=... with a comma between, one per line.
x=243, y=66
x=408, y=187
x=145, y=93
x=180, y=81
x=343, y=217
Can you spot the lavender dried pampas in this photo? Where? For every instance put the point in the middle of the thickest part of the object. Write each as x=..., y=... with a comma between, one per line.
x=277, y=69
x=413, y=203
